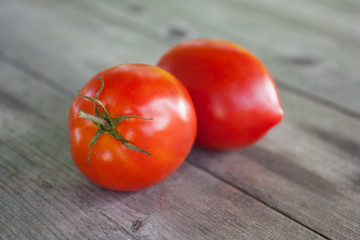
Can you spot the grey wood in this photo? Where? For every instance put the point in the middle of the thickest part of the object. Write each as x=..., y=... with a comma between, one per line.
x=43, y=195
x=307, y=168
x=311, y=46
x=73, y=43
x=301, y=181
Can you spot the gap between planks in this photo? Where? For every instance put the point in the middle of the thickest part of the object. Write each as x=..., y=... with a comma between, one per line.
x=258, y=200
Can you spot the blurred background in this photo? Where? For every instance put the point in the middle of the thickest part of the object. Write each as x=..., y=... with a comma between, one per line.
x=307, y=45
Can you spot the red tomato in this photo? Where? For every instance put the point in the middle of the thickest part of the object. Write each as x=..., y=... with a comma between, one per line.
x=235, y=97
x=143, y=131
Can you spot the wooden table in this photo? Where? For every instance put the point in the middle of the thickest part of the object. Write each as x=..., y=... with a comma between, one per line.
x=302, y=181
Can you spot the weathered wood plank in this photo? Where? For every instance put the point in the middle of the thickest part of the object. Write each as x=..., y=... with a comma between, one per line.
x=70, y=41
x=42, y=194
x=309, y=45
x=313, y=180
x=307, y=168
x=314, y=53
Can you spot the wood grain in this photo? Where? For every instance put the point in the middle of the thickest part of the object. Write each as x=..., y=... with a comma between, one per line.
x=44, y=196
x=306, y=168
x=313, y=47
x=300, y=182
x=308, y=45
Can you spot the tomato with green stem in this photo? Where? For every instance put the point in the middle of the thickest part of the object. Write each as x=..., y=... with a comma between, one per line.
x=235, y=97
x=131, y=126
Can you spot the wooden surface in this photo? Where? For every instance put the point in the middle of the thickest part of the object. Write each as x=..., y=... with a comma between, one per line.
x=302, y=181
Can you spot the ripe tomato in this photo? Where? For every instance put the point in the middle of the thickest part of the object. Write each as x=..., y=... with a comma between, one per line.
x=235, y=98
x=140, y=130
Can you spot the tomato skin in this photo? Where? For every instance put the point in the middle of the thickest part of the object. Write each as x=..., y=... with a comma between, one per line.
x=141, y=90
x=235, y=97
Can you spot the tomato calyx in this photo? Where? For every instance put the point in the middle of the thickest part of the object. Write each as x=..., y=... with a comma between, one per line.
x=106, y=123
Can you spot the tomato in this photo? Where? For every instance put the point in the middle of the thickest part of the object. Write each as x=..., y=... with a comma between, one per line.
x=131, y=126
x=235, y=97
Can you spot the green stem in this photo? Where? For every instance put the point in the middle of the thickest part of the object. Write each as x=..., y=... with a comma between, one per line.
x=95, y=101
x=107, y=124
x=97, y=120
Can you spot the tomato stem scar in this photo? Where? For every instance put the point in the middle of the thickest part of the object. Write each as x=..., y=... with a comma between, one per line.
x=106, y=123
